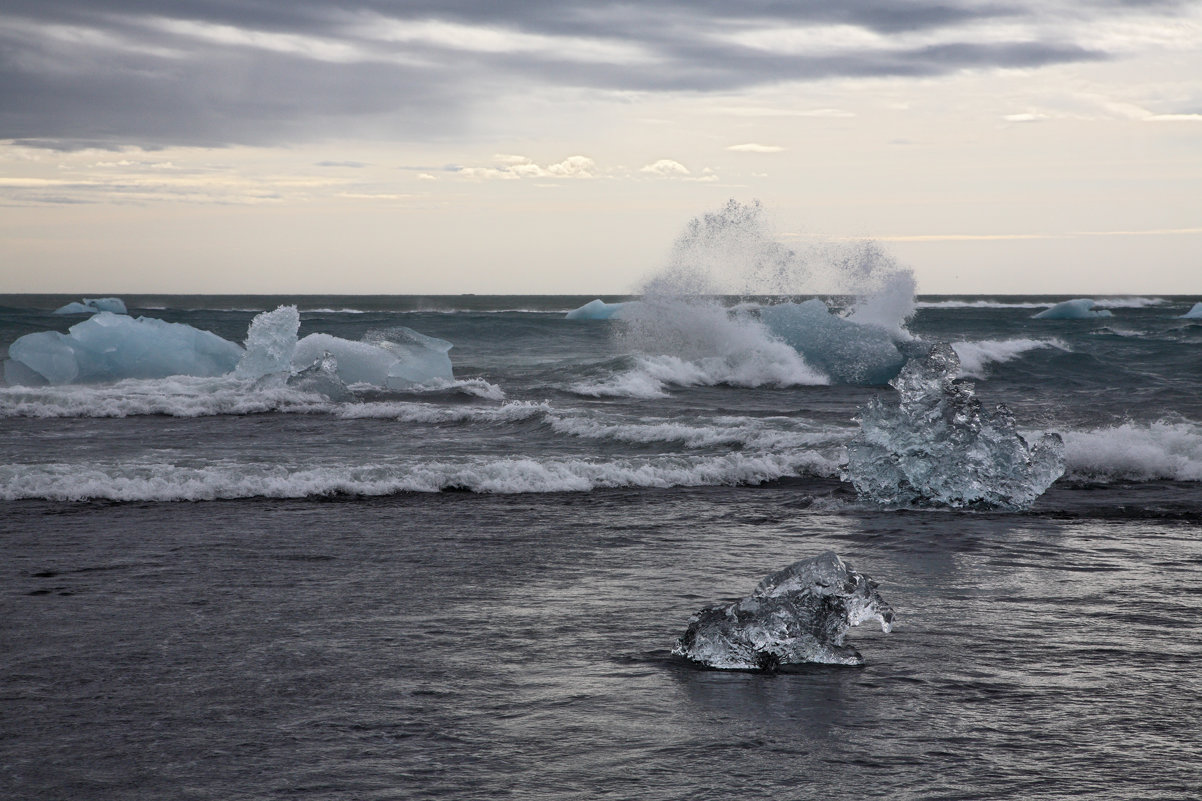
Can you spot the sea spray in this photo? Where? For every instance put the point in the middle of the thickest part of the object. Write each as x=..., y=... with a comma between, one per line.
x=733, y=251
x=939, y=447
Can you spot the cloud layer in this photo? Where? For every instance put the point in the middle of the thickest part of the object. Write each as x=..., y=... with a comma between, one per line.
x=212, y=72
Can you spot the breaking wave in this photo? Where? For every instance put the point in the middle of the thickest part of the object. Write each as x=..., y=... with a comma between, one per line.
x=150, y=481
x=1136, y=452
x=975, y=357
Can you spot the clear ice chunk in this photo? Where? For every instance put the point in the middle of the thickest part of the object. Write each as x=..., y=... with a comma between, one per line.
x=939, y=447
x=848, y=352
x=270, y=343
x=798, y=615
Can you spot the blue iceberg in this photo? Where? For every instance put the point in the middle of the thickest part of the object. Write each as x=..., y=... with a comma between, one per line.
x=93, y=305
x=798, y=615
x=1194, y=313
x=848, y=352
x=939, y=447
x=110, y=347
x=399, y=358
x=1080, y=309
x=597, y=310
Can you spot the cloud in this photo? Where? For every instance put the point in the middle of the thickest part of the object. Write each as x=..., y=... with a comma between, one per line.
x=510, y=167
x=666, y=168
x=752, y=147
x=212, y=73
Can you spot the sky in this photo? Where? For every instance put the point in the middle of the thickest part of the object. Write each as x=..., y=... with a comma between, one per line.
x=486, y=146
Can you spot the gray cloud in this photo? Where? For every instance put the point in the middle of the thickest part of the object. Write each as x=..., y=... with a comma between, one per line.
x=220, y=72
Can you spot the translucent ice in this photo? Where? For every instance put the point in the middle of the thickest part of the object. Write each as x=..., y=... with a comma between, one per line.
x=848, y=352
x=596, y=310
x=939, y=447
x=398, y=358
x=797, y=615
x=1195, y=313
x=109, y=347
x=1081, y=309
x=270, y=343
x=93, y=305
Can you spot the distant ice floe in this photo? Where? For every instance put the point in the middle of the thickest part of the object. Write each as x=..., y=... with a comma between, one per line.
x=598, y=310
x=1080, y=309
x=111, y=347
x=93, y=305
x=939, y=447
x=1195, y=312
x=798, y=615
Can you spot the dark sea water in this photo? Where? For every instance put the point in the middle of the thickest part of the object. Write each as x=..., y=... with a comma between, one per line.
x=223, y=589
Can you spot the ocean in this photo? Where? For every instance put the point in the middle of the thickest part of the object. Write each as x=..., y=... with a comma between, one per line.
x=242, y=588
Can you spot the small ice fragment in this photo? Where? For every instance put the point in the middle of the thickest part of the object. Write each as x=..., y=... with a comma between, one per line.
x=798, y=615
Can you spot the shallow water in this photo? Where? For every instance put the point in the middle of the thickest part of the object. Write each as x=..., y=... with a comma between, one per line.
x=467, y=646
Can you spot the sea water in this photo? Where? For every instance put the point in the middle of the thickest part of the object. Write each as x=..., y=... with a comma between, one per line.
x=225, y=588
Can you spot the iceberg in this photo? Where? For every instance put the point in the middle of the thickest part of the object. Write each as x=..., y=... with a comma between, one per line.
x=939, y=447
x=1195, y=313
x=597, y=310
x=848, y=352
x=798, y=615
x=110, y=347
x=1080, y=309
x=399, y=358
x=93, y=305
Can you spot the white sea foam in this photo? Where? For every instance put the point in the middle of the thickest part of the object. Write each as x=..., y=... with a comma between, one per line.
x=771, y=364
x=976, y=356
x=768, y=434
x=1129, y=302
x=513, y=411
x=977, y=304
x=150, y=481
x=1136, y=451
x=178, y=396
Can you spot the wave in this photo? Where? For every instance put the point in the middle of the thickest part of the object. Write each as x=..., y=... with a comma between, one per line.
x=775, y=365
x=1136, y=452
x=1109, y=303
x=166, y=482
x=1128, y=302
x=977, y=304
x=976, y=356
x=189, y=396
x=767, y=434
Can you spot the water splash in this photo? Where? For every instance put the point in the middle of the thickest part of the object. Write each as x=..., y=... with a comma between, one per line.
x=735, y=252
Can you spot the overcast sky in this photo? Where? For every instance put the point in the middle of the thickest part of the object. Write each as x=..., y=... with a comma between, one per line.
x=423, y=147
